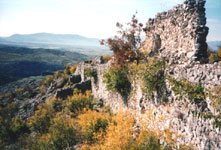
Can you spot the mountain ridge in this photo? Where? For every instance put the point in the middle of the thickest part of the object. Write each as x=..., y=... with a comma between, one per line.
x=50, y=38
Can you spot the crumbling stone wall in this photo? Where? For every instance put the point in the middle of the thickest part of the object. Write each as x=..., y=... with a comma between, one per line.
x=182, y=115
x=182, y=28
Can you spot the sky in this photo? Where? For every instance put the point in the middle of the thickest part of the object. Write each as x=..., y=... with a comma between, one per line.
x=90, y=18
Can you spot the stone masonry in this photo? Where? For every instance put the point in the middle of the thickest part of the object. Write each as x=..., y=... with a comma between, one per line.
x=182, y=28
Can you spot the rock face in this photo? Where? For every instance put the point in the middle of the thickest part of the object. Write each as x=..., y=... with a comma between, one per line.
x=182, y=28
x=58, y=88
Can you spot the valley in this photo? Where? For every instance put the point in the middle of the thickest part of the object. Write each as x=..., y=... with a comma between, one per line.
x=20, y=62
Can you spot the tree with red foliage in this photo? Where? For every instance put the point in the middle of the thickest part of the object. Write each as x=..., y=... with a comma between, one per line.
x=126, y=43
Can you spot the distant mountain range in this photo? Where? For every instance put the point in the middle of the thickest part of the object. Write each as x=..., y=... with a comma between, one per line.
x=72, y=42
x=214, y=45
x=48, y=38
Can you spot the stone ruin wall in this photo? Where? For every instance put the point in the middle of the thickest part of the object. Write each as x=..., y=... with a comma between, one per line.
x=196, y=130
x=183, y=28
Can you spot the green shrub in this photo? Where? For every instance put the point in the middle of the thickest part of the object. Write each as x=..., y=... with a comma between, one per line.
x=106, y=58
x=184, y=87
x=93, y=128
x=146, y=142
x=61, y=135
x=90, y=73
x=40, y=122
x=153, y=76
x=150, y=143
x=215, y=97
x=9, y=95
x=48, y=80
x=217, y=121
x=67, y=70
x=8, y=111
x=79, y=101
x=10, y=128
x=18, y=126
x=117, y=80
x=73, y=69
x=57, y=105
x=65, y=78
x=216, y=118
x=58, y=74
x=2, y=96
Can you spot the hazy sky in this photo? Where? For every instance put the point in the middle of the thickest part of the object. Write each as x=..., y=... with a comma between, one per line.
x=91, y=18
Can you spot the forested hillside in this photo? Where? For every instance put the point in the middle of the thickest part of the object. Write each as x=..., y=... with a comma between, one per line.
x=19, y=62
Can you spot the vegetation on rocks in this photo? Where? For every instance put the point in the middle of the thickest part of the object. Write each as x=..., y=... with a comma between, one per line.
x=153, y=77
x=90, y=73
x=184, y=88
x=150, y=76
x=106, y=58
x=117, y=80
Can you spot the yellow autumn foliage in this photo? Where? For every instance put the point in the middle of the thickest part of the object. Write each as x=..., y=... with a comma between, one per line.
x=73, y=69
x=118, y=134
x=40, y=122
x=93, y=125
x=89, y=117
x=61, y=124
x=79, y=101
